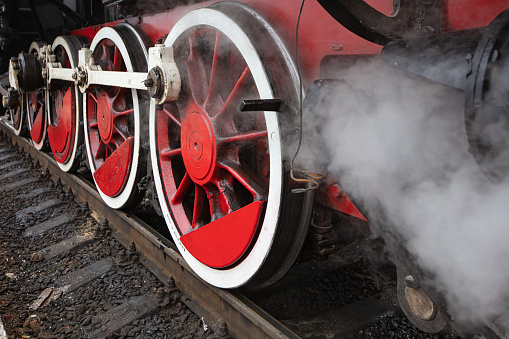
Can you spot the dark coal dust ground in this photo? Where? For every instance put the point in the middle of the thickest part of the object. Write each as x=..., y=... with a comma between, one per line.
x=25, y=273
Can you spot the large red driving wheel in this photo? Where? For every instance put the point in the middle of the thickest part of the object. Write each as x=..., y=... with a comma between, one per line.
x=113, y=118
x=220, y=173
x=36, y=109
x=64, y=107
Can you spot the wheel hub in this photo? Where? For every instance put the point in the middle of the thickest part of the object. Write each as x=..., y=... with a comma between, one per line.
x=104, y=116
x=198, y=146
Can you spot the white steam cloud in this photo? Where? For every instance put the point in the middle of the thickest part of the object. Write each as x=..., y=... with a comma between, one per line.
x=399, y=141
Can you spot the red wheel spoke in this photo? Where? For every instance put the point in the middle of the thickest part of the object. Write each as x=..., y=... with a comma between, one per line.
x=40, y=100
x=171, y=116
x=118, y=96
x=123, y=113
x=214, y=204
x=94, y=125
x=170, y=153
x=33, y=102
x=92, y=95
x=239, y=92
x=246, y=177
x=228, y=201
x=198, y=208
x=196, y=73
x=218, y=75
x=243, y=137
x=183, y=188
x=105, y=52
x=123, y=134
x=63, y=58
x=111, y=148
x=101, y=151
x=117, y=60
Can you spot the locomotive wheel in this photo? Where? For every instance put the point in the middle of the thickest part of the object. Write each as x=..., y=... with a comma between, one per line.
x=113, y=118
x=220, y=174
x=18, y=117
x=64, y=107
x=36, y=110
x=418, y=306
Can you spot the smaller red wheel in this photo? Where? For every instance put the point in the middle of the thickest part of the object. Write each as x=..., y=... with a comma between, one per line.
x=220, y=174
x=113, y=118
x=36, y=110
x=64, y=107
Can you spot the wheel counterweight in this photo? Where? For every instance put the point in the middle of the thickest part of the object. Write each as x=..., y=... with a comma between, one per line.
x=220, y=174
x=113, y=117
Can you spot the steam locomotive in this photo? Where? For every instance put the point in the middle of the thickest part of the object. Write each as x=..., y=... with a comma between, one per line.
x=197, y=109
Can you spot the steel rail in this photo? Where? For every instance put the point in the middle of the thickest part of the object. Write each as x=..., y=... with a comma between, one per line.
x=244, y=318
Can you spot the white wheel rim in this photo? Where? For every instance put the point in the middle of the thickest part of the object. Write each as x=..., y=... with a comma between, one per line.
x=120, y=200
x=247, y=268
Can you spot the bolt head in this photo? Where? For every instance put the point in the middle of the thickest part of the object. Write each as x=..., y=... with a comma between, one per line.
x=148, y=83
x=156, y=88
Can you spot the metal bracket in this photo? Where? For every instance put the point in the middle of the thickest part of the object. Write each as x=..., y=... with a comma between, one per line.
x=86, y=63
x=54, y=70
x=274, y=105
x=163, y=80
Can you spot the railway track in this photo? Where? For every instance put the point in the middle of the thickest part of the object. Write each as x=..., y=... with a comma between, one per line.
x=72, y=246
